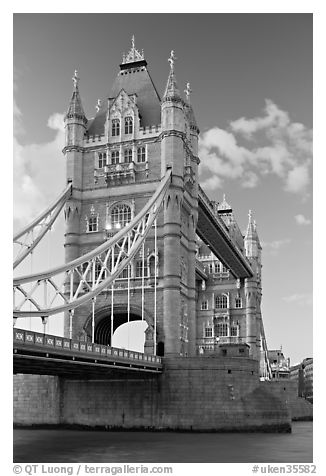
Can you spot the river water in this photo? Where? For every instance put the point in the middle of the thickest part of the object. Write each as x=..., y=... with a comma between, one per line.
x=71, y=446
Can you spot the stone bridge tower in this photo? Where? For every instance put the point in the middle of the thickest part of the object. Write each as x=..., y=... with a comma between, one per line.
x=115, y=162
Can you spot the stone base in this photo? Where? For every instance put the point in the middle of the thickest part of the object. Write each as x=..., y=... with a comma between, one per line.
x=212, y=394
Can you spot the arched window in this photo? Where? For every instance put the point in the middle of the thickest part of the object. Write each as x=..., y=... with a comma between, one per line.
x=128, y=125
x=120, y=215
x=101, y=160
x=115, y=127
x=115, y=157
x=141, y=154
x=128, y=155
x=221, y=301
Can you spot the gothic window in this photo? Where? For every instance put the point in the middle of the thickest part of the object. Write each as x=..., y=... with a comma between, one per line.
x=101, y=160
x=221, y=301
x=92, y=224
x=222, y=329
x=224, y=269
x=120, y=215
x=141, y=154
x=210, y=268
x=208, y=332
x=204, y=305
x=217, y=267
x=238, y=302
x=115, y=157
x=234, y=331
x=115, y=127
x=128, y=155
x=128, y=125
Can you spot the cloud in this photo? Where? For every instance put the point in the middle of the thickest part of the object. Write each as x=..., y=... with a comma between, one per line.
x=253, y=148
x=273, y=247
x=39, y=170
x=303, y=299
x=297, y=179
x=302, y=220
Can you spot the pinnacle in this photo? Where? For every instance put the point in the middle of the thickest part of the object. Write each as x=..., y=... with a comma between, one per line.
x=75, y=108
x=171, y=90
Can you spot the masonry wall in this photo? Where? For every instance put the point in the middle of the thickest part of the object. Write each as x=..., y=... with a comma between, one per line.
x=36, y=399
x=200, y=394
x=286, y=389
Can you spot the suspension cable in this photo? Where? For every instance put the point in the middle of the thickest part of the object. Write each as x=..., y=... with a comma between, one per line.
x=155, y=282
x=112, y=314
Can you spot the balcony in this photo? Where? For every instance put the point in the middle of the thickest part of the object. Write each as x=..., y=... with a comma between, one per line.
x=208, y=345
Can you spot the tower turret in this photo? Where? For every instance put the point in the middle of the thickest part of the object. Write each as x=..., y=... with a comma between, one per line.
x=251, y=241
x=253, y=289
x=173, y=124
x=75, y=126
x=75, y=119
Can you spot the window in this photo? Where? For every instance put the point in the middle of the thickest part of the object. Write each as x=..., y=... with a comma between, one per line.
x=238, y=302
x=101, y=160
x=141, y=154
x=115, y=157
x=98, y=271
x=234, y=331
x=128, y=125
x=217, y=267
x=115, y=127
x=139, y=269
x=120, y=215
x=124, y=273
x=211, y=268
x=221, y=301
x=92, y=223
x=222, y=329
x=208, y=332
x=128, y=155
x=204, y=305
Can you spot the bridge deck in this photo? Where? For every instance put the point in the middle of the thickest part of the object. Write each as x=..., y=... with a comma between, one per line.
x=44, y=354
x=214, y=233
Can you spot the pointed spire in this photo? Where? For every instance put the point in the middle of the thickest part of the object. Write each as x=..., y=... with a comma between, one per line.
x=171, y=90
x=75, y=108
x=250, y=228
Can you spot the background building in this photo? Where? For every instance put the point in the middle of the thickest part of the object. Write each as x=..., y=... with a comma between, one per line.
x=302, y=373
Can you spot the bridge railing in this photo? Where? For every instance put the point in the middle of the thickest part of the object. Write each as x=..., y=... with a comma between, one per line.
x=47, y=341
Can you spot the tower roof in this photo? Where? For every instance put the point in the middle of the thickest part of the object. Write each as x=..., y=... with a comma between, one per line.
x=224, y=207
x=133, y=78
x=75, y=108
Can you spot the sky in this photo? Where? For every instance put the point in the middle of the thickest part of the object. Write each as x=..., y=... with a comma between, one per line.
x=252, y=94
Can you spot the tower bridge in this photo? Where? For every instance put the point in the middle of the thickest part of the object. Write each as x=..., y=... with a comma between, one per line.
x=144, y=242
